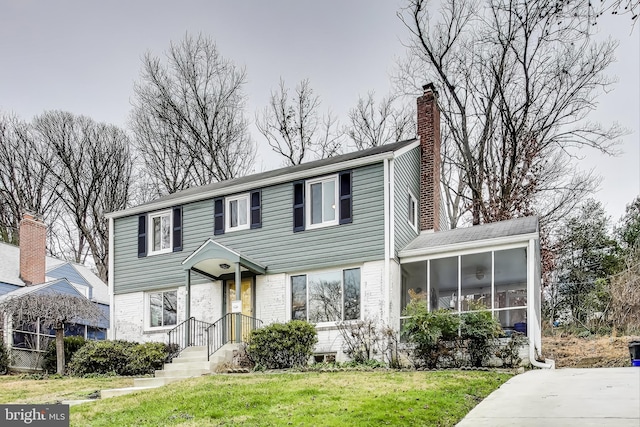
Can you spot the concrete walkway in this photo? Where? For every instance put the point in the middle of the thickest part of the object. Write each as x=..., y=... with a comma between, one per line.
x=563, y=397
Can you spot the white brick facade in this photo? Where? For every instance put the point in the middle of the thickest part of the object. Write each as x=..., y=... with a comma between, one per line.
x=273, y=304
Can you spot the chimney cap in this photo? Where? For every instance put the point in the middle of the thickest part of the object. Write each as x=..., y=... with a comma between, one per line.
x=430, y=87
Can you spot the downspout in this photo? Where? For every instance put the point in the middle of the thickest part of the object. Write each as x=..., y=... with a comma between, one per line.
x=531, y=315
x=387, y=232
x=111, y=332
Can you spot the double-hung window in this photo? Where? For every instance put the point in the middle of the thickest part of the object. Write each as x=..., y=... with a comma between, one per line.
x=413, y=211
x=322, y=202
x=160, y=232
x=328, y=296
x=163, y=308
x=238, y=212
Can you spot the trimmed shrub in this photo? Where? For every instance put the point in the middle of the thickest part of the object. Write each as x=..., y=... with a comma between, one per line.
x=4, y=358
x=479, y=331
x=282, y=345
x=434, y=334
x=71, y=345
x=443, y=339
x=118, y=357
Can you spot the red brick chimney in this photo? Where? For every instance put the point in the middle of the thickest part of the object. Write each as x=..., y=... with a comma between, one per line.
x=429, y=134
x=33, y=241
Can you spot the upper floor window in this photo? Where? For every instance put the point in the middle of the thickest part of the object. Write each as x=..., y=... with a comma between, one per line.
x=413, y=211
x=238, y=212
x=321, y=202
x=160, y=235
x=238, y=209
x=160, y=232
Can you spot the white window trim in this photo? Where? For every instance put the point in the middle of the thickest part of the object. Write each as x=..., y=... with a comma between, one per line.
x=147, y=310
x=414, y=224
x=308, y=202
x=227, y=212
x=150, y=218
x=324, y=270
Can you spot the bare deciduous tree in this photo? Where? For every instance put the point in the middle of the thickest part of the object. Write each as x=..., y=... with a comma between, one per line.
x=294, y=127
x=53, y=310
x=188, y=117
x=23, y=178
x=382, y=123
x=516, y=90
x=90, y=166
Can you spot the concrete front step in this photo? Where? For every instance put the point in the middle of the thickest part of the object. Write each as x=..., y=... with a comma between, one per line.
x=184, y=373
x=192, y=362
x=113, y=392
x=156, y=381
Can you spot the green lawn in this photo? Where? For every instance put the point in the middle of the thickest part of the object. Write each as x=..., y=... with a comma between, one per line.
x=299, y=399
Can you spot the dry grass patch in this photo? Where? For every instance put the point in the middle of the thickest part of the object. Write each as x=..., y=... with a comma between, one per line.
x=590, y=352
x=22, y=389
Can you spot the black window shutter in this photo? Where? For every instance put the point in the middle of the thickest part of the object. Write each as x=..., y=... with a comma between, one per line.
x=142, y=236
x=218, y=216
x=177, y=229
x=298, y=206
x=346, y=198
x=256, y=209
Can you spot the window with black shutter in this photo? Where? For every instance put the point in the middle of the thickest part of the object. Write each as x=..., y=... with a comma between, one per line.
x=218, y=216
x=142, y=236
x=256, y=209
x=346, y=203
x=298, y=206
x=177, y=228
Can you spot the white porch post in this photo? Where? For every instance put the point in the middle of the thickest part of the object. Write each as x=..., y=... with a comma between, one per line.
x=238, y=297
x=187, y=309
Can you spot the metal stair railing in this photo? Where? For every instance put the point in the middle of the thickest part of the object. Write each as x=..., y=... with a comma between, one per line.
x=189, y=333
x=230, y=328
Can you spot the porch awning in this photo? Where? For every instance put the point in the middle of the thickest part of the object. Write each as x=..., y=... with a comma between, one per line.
x=213, y=260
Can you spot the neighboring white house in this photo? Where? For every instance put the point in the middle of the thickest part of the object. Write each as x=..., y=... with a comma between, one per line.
x=350, y=237
x=26, y=269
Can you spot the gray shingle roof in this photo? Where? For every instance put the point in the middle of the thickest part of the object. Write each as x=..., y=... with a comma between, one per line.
x=281, y=172
x=512, y=227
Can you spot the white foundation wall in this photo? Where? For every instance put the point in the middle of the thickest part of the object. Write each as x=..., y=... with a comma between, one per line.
x=130, y=312
x=271, y=299
x=395, y=293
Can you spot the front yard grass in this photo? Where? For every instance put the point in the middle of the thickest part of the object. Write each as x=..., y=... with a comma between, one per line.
x=309, y=399
x=25, y=389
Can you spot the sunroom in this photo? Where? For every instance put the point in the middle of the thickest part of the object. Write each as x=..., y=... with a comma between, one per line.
x=492, y=266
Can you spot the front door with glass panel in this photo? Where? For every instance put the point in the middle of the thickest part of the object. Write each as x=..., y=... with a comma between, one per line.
x=245, y=305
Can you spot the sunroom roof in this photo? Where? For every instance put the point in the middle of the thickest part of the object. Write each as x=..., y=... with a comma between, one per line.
x=477, y=233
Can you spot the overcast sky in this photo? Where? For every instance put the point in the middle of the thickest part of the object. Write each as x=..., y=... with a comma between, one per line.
x=83, y=57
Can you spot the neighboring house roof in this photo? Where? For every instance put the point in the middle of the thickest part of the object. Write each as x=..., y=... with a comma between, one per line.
x=491, y=233
x=78, y=275
x=272, y=177
x=59, y=286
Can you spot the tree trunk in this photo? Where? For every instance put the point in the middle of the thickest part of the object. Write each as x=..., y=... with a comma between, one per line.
x=60, y=349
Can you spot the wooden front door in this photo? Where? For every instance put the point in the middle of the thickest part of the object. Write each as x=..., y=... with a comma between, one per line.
x=240, y=326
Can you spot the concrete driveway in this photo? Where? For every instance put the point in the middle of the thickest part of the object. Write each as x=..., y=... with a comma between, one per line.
x=563, y=397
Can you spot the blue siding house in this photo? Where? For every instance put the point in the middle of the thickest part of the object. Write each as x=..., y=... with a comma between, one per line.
x=26, y=269
x=350, y=237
